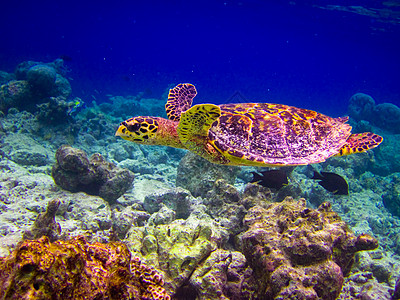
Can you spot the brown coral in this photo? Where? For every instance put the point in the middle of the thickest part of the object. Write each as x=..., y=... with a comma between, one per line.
x=300, y=253
x=75, y=269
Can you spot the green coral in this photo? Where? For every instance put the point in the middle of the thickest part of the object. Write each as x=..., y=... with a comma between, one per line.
x=175, y=249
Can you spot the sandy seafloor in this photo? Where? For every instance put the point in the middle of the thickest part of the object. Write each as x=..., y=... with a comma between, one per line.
x=27, y=154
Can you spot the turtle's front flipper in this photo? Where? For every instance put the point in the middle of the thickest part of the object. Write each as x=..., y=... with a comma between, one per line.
x=194, y=124
x=360, y=142
x=180, y=99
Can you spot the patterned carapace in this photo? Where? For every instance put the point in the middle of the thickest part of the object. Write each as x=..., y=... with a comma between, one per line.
x=258, y=134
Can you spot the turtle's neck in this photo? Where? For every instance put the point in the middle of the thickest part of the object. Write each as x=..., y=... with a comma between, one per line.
x=167, y=134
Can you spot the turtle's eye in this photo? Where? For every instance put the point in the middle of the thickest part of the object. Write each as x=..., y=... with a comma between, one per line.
x=133, y=127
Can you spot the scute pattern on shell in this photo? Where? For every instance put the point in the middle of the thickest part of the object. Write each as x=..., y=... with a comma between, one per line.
x=276, y=134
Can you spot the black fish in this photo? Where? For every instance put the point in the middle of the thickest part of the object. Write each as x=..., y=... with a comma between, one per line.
x=271, y=179
x=332, y=182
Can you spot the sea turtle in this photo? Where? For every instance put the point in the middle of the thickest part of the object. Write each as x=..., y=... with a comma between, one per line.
x=247, y=134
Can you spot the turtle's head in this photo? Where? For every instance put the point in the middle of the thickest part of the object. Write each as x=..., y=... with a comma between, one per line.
x=150, y=131
x=142, y=130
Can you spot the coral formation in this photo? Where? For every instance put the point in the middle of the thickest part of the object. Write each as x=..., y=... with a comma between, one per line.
x=361, y=106
x=176, y=249
x=178, y=199
x=297, y=252
x=45, y=224
x=41, y=78
x=223, y=275
x=13, y=94
x=35, y=83
x=73, y=171
x=223, y=205
x=385, y=115
x=75, y=269
x=55, y=111
x=194, y=242
x=198, y=175
x=362, y=285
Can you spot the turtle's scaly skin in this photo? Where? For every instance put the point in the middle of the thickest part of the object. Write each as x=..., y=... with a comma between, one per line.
x=252, y=134
x=180, y=99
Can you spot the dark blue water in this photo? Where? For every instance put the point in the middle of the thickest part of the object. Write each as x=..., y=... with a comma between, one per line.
x=269, y=51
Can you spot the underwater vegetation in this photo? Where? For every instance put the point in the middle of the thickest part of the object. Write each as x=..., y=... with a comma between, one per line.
x=84, y=214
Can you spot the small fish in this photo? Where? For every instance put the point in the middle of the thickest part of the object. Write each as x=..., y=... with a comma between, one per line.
x=77, y=104
x=275, y=179
x=332, y=182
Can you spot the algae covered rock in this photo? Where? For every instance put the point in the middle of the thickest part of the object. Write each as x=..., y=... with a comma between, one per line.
x=75, y=269
x=297, y=252
x=74, y=171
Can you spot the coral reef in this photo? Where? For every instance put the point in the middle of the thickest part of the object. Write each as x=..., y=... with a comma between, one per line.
x=223, y=275
x=361, y=106
x=223, y=205
x=55, y=111
x=385, y=115
x=36, y=83
x=194, y=242
x=296, y=252
x=75, y=269
x=178, y=199
x=23, y=149
x=176, y=249
x=198, y=175
x=41, y=79
x=74, y=172
x=362, y=285
x=14, y=94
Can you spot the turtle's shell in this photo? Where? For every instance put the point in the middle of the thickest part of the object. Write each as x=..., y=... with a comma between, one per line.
x=276, y=134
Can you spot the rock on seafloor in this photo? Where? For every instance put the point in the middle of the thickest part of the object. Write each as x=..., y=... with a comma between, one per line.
x=74, y=172
x=75, y=269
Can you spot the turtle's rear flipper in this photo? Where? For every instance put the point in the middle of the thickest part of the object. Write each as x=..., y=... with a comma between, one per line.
x=195, y=123
x=360, y=142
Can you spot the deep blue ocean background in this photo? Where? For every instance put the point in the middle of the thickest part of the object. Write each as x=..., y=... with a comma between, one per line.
x=310, y=54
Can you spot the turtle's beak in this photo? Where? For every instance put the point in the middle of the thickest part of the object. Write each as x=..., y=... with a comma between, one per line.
x=120, y=131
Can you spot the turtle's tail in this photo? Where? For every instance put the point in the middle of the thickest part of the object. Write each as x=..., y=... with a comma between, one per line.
x=360, y=142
